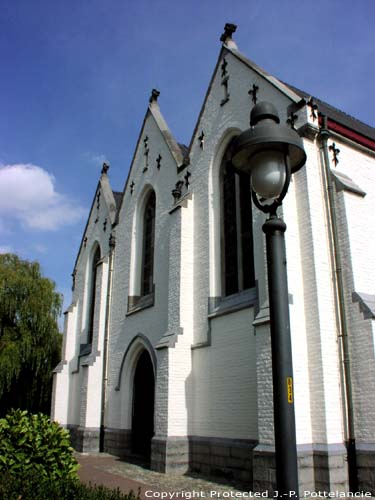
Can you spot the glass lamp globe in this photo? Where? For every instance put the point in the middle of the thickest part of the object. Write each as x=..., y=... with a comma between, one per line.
x=268, y=174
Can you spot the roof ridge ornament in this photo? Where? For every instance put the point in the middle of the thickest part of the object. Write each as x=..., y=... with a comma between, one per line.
x=105, y=168
x=154, y=96
x=226, y=37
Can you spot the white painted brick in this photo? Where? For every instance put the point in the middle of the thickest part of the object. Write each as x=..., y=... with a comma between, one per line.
x=225, y=389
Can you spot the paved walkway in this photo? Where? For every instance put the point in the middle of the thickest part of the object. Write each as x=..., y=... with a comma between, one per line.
x=107, y=470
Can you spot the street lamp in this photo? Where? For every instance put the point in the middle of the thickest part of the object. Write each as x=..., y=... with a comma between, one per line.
x=270, y=153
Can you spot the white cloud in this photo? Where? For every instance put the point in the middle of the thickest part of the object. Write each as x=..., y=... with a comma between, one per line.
x=27, y=193
x=6, y=249
x=40, y=248
x=95, y=159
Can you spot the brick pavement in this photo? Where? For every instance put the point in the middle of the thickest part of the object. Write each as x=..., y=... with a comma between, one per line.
x=107, y=470
x=99, y=469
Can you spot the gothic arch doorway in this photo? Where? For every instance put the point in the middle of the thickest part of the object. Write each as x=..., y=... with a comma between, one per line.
x=143, y=406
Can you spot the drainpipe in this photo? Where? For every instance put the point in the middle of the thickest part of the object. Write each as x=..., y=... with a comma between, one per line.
x=105, y=346
x=341, y=312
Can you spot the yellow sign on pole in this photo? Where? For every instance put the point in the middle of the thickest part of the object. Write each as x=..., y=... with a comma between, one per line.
x=289, y=383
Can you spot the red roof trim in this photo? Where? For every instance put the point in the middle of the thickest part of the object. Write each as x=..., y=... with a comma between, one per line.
x=350, y=134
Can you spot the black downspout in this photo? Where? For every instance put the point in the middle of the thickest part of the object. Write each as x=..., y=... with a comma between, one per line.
x=343, y=337
x=105, y=347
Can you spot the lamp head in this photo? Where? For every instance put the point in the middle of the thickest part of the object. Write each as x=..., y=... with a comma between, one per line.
x=268, y=152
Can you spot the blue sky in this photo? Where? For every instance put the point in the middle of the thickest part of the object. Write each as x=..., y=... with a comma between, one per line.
x=76, y=77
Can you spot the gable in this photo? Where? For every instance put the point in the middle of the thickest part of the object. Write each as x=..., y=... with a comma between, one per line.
x=157, y=157
x=102, y=216
x=233, y=91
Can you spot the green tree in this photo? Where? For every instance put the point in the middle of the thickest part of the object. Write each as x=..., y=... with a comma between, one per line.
x=29, y=336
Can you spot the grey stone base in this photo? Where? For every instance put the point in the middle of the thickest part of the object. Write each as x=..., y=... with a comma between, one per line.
x=264, y=469
x=228, y=458
x=320, y=468
x=231, y=459
x=84, y=439
x=170, y=454
x=331, y=468
x=117, y=442
x=366, y=467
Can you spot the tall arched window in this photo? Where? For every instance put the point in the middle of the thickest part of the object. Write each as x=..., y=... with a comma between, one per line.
x=92, y=296
x=237, y=229
x=147, y=274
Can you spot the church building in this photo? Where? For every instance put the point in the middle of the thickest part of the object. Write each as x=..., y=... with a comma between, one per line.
x=166, y=349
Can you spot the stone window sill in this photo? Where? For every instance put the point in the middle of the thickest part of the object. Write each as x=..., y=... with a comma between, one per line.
x=138, y=303
x=218, y=306
x=86, y=356
x=84, y=349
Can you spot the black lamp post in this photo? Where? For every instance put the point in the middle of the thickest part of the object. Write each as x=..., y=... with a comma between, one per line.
x=271, y=153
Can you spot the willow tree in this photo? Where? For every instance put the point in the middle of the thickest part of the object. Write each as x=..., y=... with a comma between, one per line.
x=29, y=336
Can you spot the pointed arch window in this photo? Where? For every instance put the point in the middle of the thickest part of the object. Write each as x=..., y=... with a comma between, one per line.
x=147, y=271
x=237, y=230
x=92, y=296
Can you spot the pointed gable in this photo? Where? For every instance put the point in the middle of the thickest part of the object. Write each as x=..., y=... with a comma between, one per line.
x=173, y=146
x=235, y=86
x=108, y=195
x=156, y=149
x=103, y=211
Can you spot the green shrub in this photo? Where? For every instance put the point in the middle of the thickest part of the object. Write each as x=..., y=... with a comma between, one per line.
x=32, y=488
x=32, y=445
x=36, y=462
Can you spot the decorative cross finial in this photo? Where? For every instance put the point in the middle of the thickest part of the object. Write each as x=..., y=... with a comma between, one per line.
x=145, y=142
x=314, y=108
x=253, y=92
x=132, y=187
x=201, y=140
x=224, y=84
x=224, y=67
x=112, y=241
x=292, y=120
x=154, y=96
x=105, y=168
x=224, y=81
x=158, y=161
x=177, y=191
x=187, y=175
x=229, y=29
x=74, y=273
x=335, y=152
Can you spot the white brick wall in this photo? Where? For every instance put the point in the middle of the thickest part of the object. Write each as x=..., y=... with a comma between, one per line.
x=357, y=248
x=180, y=357
x=224, y=380
x=152, y=322
x=225, y=389
x=78, y=394
x=219, y=125
x=62, y=379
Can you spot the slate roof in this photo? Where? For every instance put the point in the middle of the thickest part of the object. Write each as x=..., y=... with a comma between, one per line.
x=184, y=149
x=118, y=197
x=338, y=115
